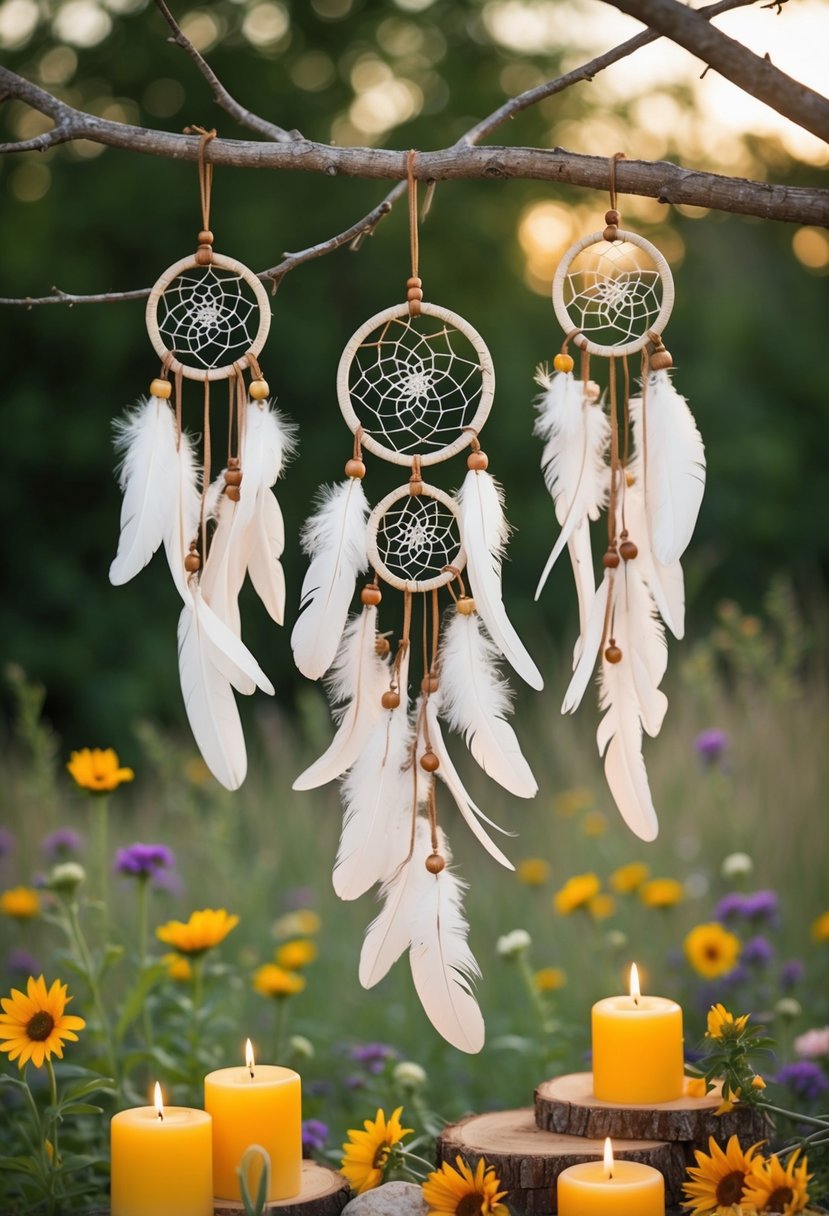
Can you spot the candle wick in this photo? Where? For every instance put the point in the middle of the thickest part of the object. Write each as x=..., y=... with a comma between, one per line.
x=251, y=1072
x=161, y=1116
x=636, y=1001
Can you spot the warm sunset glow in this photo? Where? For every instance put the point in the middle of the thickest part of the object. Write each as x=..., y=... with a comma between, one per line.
x=635, y=991
x=158, y=1101
x=249, y=1061
x=608, y=1158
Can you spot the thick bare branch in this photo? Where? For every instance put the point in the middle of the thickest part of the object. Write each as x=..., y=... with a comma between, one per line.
x=752, y=73
x=242, y=115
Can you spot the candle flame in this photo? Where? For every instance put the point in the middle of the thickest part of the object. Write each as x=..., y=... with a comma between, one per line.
x=159, y=1102
x=608, y=1158
x=249, y=1060
x=635, y=991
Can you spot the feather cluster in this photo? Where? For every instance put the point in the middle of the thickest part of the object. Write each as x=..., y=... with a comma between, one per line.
x=162, y=504
x=659, y=492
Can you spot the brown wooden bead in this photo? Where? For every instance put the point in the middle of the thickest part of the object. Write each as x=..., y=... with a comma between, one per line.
x=204, y=255
x=612, y=653
x=259, y=389
x=233, y=477
x=161, y=388
x=435, y=863
x=630, y=480
x=612, y=217
x=429, y=762
x=661, y=359
x=429, y=684
x=414, y=293
x=610, y=233
x=465, y=605
x=628, y=550
x=477, y=461
x=382, y=646
x=355, y=468
x=611, y=559
x=371, y=595
x=390, y=699
x=414, y=281
x=205, y=237
x=233, y=493
x=192, y=562
x=563, y=363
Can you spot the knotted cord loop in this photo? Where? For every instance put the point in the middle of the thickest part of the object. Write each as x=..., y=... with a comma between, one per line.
x=614, y=160
x=204, y=254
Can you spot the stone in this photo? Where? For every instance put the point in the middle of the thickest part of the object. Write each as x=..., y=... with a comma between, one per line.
x=391, y=1199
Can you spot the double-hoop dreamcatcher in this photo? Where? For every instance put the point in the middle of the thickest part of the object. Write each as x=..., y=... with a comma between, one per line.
x=415, y=386
x=641, y=459
x=207, y=318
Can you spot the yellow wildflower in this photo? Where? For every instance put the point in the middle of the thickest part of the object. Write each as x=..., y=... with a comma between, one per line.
x=203, y=931
x=297, y=953
x=550, y=979
x=757, y=1082
x=178, y=967
x=453, y=1190
x=533, y=871
x=695, y=1087
x=304, y=922
x=629, y=878
x=594, y=824
x=33, y=1025
x=820, y=928
x=367, y=1152
x=576, y=893
x=601, y=906
x=723, y=1025
x=718, y=1180
x=21, y=903
x=661, y=893
x=270, y=980
x=712, y=950
x=772, y=1188
x=570, y=802
x=98, y=770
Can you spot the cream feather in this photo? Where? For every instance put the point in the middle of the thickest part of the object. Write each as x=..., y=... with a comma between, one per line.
x=577, y=434
x=183, y=523
x=591, y=645
x=227, y=652
x=335, y=540
x=474, y=700
x=484, y=530
x=267, y=543
x=147, y=474
x=674, y=463
x=360, y=677
x=378, y=795
x=619, y=739
x=641, y=638
x=423, y=911
x=220, y=585
x=581, y=561
x=474, y=816
x=666, y=583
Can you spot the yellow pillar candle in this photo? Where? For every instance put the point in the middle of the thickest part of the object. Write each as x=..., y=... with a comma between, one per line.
x=610, y=1188
x=637, y=1048
x=258, y=1104
x=161, y=1163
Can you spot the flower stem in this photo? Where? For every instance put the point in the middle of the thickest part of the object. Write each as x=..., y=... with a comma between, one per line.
x=94, y=991
x=796, y=1116
x=53, y=1096
x=101, y=803
x=279, y=1027
x=143, y=885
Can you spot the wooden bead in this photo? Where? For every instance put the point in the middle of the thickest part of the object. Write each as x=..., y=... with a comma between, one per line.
x=233, y=477
x=390, y=699
x=429, y=684
x=612, y=217
x=477, y=461
x=233, y=493
x=414, y=281
x=414, y=293
x=611, y=559
x=259, y=389
x=415, y=486
x=612, y=653
x=660, y=360
x=610, y=233
x=429, y=762
x=465, y=605
x=563, y=363
x=355, y=468
x=205, y=237
x=204, y=255
x=371, y=595
x=192, y=562
x=161, y=388
x=628, y=550
x=435, y=863
x=382, y=646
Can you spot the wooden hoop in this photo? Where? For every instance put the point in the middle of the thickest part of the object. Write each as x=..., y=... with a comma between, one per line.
x=400, y=312
x=413, y=585
x=568, y=324
x=213, y=373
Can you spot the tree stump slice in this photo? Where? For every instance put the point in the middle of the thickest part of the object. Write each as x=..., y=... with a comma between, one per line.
x=528, y=1159
x=568, y=1105
x=324, y=1192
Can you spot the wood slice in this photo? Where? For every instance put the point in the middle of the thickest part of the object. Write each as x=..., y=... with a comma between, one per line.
x=568, y=1105
x=324, y=1193
x=528, y=1159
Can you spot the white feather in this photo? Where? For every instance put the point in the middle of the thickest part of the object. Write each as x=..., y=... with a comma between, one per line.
x=619, y=738
x=641, y=638
x=449, y=775
x=390, y=933
x=674, y=462
x=267, y=545
x=335, y=540
x=147, y=473
x=378, y=802
x=182, y=524
x=581, y=561
x=666, y=583
x=360, y=677
x=484, y=530
x=224, y=571
x=474, y=700
x=591, y=644
x=575, y=471
x=228, y=653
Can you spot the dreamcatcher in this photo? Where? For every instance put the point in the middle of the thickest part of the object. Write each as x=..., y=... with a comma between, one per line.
x=643, y=461
x=207, y=318
x=415, y=385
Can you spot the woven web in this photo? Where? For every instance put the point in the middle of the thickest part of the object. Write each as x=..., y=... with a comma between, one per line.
x=415, y=389
x=416, y=537
x=613, y=293
x=208, y=317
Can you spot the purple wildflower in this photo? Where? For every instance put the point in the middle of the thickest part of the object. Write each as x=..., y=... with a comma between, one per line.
x=730, y=906
x=61, y=843
x=319, y=1088
x=354, y=1081
x=710, y=745
x=757, y=951
x=373, y=1056
x=21, y=962
x=314, y=1135
x=143, y=860
x=762, y=905
x=791, y=973
x=805, y=1079
x=6, y=842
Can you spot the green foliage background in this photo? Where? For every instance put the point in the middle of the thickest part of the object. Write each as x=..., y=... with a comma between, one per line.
x=748, y=338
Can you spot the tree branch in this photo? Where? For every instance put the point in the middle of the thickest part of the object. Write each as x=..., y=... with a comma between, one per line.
x=752, y=73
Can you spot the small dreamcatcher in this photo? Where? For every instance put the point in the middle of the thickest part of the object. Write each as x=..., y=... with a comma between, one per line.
x=207, y=318
x=415, y=385
x=643, y=462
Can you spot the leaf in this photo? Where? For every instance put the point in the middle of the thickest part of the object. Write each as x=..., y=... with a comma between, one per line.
x=80, y=1108
x=135, y=1001
x=95, y=1085
x=19, y=1165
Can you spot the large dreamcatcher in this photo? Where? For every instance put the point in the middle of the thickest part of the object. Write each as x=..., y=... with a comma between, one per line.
x=207, y=318
x=641, y=459
x=415, y=385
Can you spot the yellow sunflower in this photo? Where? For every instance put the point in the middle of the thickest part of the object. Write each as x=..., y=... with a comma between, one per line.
x=297, y=953
x=201, y=932
x=456, y=1191
x=98, y=769
x=820, y=928
x=34, y=1026
x=712, y=950
x=533, y=871
x=723, y=1025
x=178, y=967
x=602, y=906
x=21, y=903
x=366, y=1153
x=550, y=979
x=717, y=1186
x=661, y=893
x=629, y=878
x=270, y=980
x=771, y=1188
x=575, y=893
